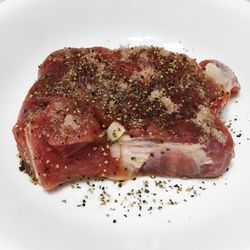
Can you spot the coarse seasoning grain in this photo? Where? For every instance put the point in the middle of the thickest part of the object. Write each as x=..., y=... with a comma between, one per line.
x=147, y=197
x=113, y=90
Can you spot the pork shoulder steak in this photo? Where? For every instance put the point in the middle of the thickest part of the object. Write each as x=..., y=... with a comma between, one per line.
x=96, y=112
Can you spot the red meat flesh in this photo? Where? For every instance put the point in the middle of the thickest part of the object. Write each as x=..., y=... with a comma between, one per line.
x=164, y=106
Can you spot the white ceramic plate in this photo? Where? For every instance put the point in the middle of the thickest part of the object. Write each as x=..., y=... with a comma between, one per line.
x=215, y=218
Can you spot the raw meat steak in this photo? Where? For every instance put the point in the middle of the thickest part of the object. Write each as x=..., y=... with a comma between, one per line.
x=119, y=113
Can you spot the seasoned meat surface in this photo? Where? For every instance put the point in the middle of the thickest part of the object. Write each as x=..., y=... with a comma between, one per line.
x=125, y=112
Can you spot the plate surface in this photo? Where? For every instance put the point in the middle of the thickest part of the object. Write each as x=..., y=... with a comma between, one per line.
x=209, y=214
